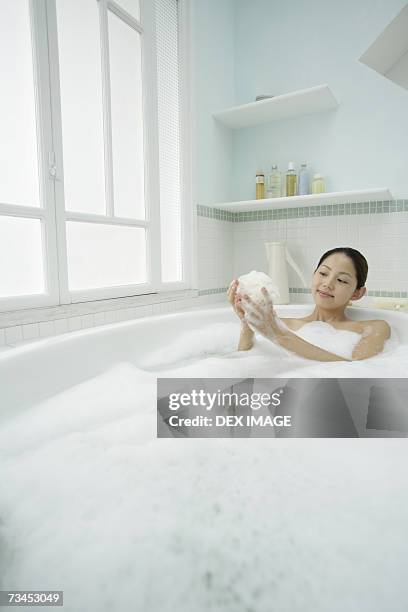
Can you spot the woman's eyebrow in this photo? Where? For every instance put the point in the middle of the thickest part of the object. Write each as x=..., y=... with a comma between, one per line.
x=328, y=267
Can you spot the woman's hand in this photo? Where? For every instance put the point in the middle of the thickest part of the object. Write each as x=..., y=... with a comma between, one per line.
x=235, y=300
x=262, y=317
x=246, y=335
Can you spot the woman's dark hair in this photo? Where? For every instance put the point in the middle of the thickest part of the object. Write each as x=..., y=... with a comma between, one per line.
x=359, y=261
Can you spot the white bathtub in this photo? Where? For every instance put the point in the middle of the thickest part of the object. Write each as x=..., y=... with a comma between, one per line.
x=190, y=344
x=92, y=503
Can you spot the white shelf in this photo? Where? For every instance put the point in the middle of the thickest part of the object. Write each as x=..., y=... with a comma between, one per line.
x=338, y=197
x=302, y=102
x=388, y=54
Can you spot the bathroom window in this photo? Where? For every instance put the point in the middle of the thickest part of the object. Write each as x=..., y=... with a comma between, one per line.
x=90, y=180
x=28, y=250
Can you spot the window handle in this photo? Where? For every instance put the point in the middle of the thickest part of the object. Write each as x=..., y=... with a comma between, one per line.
x=52, y=167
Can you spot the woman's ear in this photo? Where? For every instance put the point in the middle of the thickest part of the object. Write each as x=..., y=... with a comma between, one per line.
x=359, y=293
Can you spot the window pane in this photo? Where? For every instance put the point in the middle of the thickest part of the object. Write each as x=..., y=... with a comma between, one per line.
x=169, y=139
x=105, y=255
x=21, y=258
x=127, y=121
x=81, y=105
x=131, y=6
x=18, y=142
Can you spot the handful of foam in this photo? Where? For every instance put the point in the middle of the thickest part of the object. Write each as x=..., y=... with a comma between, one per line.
x=252, y=284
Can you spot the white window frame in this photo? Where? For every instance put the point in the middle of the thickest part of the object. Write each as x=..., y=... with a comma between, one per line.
x=46, y=211
x=53, y=215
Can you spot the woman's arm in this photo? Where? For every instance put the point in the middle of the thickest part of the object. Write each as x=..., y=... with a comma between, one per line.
x=374, y=336
x=246, y=339
x=265, y=321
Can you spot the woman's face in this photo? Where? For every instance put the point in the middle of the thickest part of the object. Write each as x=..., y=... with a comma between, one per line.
x=334, y=282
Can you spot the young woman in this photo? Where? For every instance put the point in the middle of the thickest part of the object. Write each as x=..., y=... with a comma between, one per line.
x=339, y=277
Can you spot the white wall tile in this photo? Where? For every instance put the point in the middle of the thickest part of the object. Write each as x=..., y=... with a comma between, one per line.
x=13, y=334
x=99, y=318
x=215, y=253
x=382, y=238
x=31, y=331
x=142, y=311
x=87, y=321
x=61, y=326
x=122, y=314
x=46, y=329
x=74, y=323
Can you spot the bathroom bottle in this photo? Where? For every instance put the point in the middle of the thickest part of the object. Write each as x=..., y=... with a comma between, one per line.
x=275, y=183
x=303, y=180
x=318, y=184
x=260, y=185
x=291, y=180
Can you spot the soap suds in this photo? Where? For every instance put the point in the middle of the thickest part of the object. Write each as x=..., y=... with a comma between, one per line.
x=252, y=284
x=340, y=342
x=92, y=503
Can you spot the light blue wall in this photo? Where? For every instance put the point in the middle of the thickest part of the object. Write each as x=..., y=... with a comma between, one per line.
x=284, y=46
x=213, y=88
x=274, y=47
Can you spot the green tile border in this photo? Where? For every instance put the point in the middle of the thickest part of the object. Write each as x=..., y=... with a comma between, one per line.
x=212, y=291
x=215, y=213
x=301, y=212
x=299, y=290
x=370, y=293
x=306, y=290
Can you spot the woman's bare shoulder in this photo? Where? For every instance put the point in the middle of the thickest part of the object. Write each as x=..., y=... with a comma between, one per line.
x=295, y=324
x=366, y=328
x=379, y=326
x=374, y=335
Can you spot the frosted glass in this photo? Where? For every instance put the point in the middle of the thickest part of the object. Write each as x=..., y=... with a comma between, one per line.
x=21, y=257
x=81, y=105
x=169, y=139
x=127, y=119
x=131, y=6
x=18, y=143
x=102, y=255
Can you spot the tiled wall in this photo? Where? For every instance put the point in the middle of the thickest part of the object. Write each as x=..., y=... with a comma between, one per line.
x=17, y=332
x=215, y=252
x=232, y=244
x=378, y=229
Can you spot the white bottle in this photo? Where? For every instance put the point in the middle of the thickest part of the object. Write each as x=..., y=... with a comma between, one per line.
x=275, y=183
x=318, y=184
x=303, y=180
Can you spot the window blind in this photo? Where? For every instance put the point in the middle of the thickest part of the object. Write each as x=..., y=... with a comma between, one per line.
x=167, y=43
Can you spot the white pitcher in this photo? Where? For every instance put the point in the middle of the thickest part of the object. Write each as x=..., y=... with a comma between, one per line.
x=277, y=255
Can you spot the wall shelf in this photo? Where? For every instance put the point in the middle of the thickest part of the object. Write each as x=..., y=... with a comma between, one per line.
x=388, y=54
x=302, y=102
x=338, y=197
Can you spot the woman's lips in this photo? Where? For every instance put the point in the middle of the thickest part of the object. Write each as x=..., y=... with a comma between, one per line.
x=325, y=295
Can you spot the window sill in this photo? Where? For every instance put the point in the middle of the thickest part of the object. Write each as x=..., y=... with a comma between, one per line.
x=53, y=313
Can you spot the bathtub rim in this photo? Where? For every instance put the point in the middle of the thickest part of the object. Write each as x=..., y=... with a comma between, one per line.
x=28, y=346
